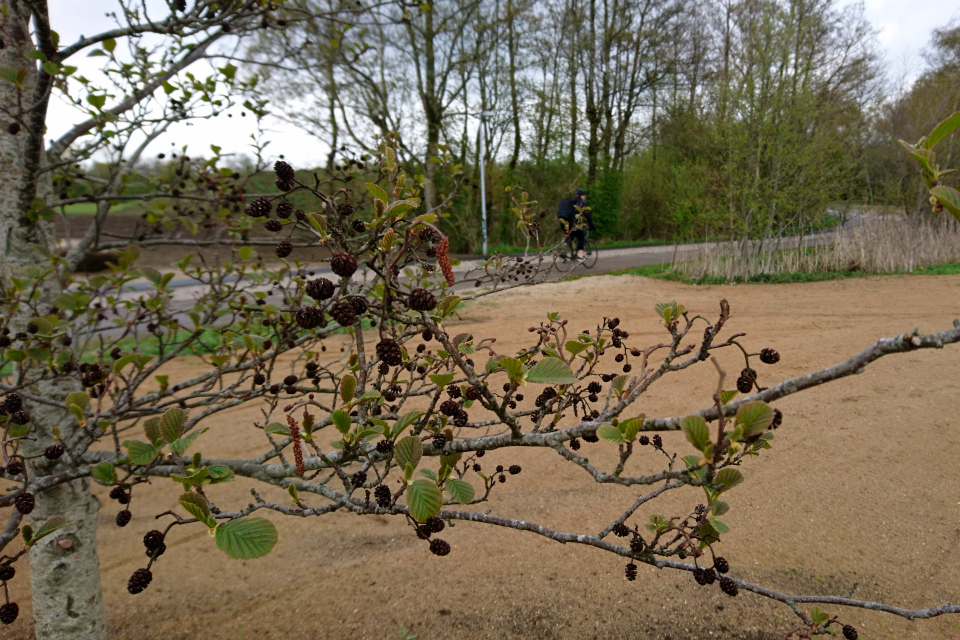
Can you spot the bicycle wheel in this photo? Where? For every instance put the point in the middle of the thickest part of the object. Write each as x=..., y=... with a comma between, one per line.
x=590, y=254
x=564, y=258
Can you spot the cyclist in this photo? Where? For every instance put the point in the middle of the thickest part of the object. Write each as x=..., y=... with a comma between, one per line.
x=572, y=213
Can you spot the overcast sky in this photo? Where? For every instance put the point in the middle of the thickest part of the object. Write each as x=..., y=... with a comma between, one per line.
x=904, y=30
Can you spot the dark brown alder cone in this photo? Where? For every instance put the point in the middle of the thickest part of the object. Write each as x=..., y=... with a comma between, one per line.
x=297, y=452
x=729, y=587
x=631, y=572
x=284, y=209
x=344, y=313
x=429, y=234
x=123, y=518
x=25, y=503
x=54, y=451
x=444, y=260
x=389, y=352
x=383, y=496
x=273, y=225
x=284, y=171
x=849, y=632
x=152, y=539
x=7, y=573
x=309, y=317
x=439, y=547
x=473, y=393
x=359, y=305
x=139, y=581
x=259, y=208
x=320, y=289
x=12, y=403
x=20, y=417
x=9, y=612
x=343, y=264
x=769, y=356
x=284, y=249
x=422, y=300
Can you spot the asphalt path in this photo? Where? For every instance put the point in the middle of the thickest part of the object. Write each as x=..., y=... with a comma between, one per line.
x=185, y=290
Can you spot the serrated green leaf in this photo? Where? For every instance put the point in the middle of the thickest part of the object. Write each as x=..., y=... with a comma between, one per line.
x=408, y=450
x=247, y=538
x=942, y=130
x=219, y=473
x=405, y=421
x=442, y=379
x=429, y=473
x=696, y=430
x=105, y=472
x=195, y=504
x=727, y=479
x=551, y=371
x=754, y=418
x=377, y=191
x=513, y=367
x=719, y=527
x=424, y=499
x=630, y=427
x=610, y=433
x=151, y=428
x=727, y=396
x=720, y=507
x=172, y=424
x=949, y=198
x=341, y=420
x=575, y=346
x=619, y=385
x=180, y=446
x=124, y=361
x=461, y=490
x=348, y=386
x=140, y=453
x=48, y=527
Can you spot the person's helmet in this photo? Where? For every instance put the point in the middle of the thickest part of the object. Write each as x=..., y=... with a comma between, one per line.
x=581, y=192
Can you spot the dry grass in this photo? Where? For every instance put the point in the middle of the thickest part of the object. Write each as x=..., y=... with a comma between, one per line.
x=884, y=244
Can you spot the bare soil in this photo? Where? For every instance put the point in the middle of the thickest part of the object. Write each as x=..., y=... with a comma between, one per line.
x=861, y=493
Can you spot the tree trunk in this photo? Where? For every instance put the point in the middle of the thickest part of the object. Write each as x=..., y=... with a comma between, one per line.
x=64, y=568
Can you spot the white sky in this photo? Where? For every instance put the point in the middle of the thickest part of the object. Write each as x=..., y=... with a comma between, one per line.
x=904, y=29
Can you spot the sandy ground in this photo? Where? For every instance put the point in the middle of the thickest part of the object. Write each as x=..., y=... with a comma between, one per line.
x=861, y=490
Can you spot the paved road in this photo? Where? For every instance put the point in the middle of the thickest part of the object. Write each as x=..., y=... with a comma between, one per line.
x=185, y=289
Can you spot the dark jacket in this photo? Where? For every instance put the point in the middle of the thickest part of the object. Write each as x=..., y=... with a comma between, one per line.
x=570, y=208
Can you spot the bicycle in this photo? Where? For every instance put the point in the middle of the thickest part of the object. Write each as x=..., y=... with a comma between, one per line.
x=566, y=254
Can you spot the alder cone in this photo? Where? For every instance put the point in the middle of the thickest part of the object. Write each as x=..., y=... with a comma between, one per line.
x=389, y=351
x=25, y=503
x=422, y=300
x=284, y=249
x=259, y=208
x=9, y=612
x=359, y=305
x=444, y=260
x=320, y=289
x=139, y=581
x=344, y=313
x=309, y=317
x=343, y=264
x=284, y=171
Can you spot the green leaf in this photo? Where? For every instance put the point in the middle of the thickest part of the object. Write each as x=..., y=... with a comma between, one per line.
x=180, y=446
x=348, y=386
x=424, y=499
x=140, y=453
x=247, y=538
x=105, y=472
x=551, y=371
x=171, y=424
x=151, y=428
x=513, y=367
x=619, y=384
x=110, y=44
x=220, y=473
x=51, y=68
x=754, y=417
x=405, y=421
x=630, y=427
x=124, y=361
x=341, y=420
x=949, y=198
x=461, y=490
x=942, y=130
x=575, y=346
x=442, y=379
x=610, y=433
x=720, y=507
x=429, y=473
x=281, y=429
x=78, y=399
x=48, y=527
x=377, y=192
x=727, y=396
x=719, y=527
x=696, y=430
x=816, y=615
x=196, y=505
x=408, y=450
x=727, y=479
